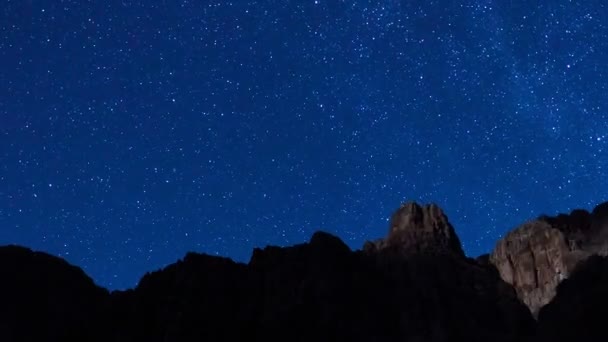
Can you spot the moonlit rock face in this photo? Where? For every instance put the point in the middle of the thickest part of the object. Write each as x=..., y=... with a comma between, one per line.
x=419, y=229
x=538, y=255
x=533, y=258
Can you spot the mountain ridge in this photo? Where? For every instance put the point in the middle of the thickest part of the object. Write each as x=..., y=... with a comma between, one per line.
x=414, y=284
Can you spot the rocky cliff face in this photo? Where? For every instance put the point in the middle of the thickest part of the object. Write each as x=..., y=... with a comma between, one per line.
x=538, y=255
x=415, y=229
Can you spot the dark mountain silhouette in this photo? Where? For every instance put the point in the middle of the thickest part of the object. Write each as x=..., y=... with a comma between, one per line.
x=43, y=298
x=414, y=285
x=579, y=310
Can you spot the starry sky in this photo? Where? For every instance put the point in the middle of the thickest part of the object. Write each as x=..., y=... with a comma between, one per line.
x=132, y=132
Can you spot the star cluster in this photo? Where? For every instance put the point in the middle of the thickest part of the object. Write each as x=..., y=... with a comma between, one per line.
x=134, y=131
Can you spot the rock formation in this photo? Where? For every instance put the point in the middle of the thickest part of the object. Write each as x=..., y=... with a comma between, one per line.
x=418, y=229
x=538, y=255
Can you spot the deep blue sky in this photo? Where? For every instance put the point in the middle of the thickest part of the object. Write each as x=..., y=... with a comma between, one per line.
x=134, y=131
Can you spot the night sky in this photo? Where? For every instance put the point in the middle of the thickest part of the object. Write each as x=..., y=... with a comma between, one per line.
x=132, y=132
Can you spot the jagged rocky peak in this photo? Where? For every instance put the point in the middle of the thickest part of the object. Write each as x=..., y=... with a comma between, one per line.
x=419, y=229
x=538, y=255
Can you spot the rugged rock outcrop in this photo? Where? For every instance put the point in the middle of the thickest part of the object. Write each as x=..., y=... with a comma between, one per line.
x=538, y=255
x=417, y=229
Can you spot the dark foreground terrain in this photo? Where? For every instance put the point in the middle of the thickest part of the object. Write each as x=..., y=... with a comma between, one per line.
x=414, y=285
